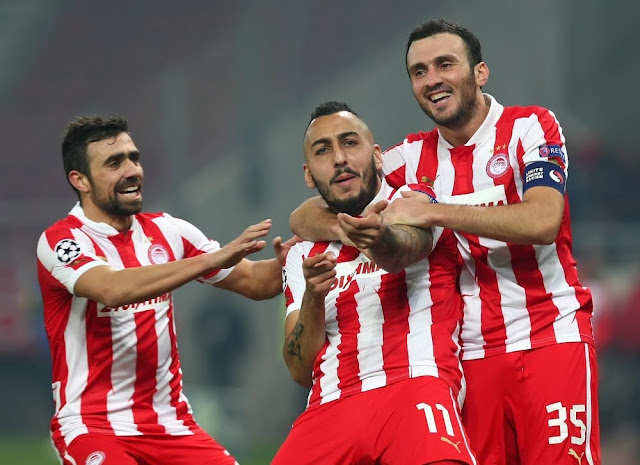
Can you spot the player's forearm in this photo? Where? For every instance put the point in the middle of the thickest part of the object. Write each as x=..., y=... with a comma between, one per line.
x=522, y=223
x=313, y=221
x=264, y=280
x=400, y=246
x=114, y=288
x=304, y=341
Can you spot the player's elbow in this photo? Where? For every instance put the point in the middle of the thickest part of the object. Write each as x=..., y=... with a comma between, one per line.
x=112, y=299
x=261, y=292
x=547, y=231
x=301, y=377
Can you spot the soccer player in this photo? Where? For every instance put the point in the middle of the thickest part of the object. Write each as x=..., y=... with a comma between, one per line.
x=106, y=273
x=372, y=330
x=500, y=175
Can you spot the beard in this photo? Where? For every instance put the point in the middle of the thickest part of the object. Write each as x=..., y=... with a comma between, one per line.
x=465, y=111
x=112, y=205
x=354, y=204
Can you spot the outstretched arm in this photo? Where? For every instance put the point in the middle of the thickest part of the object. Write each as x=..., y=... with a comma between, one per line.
x=535, y=220
x=392, y=247
x=305, y=333
x=114, y=288
x=260, y=279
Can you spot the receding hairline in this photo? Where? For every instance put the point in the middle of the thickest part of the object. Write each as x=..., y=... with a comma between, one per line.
x=366, y=131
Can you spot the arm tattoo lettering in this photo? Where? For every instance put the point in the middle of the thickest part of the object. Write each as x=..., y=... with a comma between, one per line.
x=293, y=344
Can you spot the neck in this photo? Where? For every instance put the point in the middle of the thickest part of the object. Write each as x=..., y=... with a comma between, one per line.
x=120, y=223
x=461, y=135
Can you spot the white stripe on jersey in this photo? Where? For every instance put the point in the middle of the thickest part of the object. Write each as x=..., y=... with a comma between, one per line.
x=369, y=309
x=75, y=337
x=420, y=339
x=563, y=296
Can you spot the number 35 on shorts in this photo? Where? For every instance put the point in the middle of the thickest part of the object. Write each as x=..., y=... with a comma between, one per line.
x=558, y=419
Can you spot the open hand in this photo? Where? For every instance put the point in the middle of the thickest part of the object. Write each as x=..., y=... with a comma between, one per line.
x=245, y=244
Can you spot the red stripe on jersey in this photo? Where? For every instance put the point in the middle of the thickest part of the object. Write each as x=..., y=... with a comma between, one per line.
x=181, y=406
x=145, y=385
x=317, y=375
x=568, y=263
x=397, y=178
x=349, y=328
x=152, y=231
x=492, y=322
x=175, y=383
x=549, y=126
x=504, y=129
x=144, y=415
x=395, y=308
x=446, y=306
x=428, y=163
x=55, y=333
x=99, y=355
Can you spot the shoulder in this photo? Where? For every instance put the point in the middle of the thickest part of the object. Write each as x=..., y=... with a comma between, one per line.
x=416, y=138
x=517, y=112
x=61, y=229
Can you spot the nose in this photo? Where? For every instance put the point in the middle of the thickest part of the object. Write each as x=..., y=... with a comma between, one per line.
x=133, y=168
x=340, y=157
x=432, y=78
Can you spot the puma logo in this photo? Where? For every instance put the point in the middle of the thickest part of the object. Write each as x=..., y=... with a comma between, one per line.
x=454, y=444
x=573, y=453
x=427, y=181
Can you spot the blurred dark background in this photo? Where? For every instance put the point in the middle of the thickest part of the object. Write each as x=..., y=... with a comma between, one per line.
x=218, y=94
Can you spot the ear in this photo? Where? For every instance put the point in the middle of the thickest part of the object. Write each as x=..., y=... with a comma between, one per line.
x=79, y=181
x=377, y=158
x=481, y=73
x=307, y=177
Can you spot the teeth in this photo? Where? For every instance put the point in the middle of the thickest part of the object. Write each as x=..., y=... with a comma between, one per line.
x=439, y=95
x=130, y=190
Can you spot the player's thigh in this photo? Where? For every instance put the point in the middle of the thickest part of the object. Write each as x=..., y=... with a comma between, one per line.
x=98, y=450
x=326, y=434
x=558, y=416
x=185, y=450
x=486, y=411
x=423, y=427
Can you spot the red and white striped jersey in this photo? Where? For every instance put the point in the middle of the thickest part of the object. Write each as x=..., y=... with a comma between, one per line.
x=116, y=371
x=517, y=297
x=381, y=327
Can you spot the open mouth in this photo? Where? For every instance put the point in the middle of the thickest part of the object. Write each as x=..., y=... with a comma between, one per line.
x=439, y=97
x=132, y=192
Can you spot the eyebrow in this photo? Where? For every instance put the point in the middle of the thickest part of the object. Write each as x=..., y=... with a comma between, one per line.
x=439, y=59
x=341, y=136
x=120, y=156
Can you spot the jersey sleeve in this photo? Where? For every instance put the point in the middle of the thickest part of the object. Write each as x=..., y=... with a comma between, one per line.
x=544, y=159
x=196, y=243
x=65, y=254
x=293, y=281
x=427, y=190
x=397, y=165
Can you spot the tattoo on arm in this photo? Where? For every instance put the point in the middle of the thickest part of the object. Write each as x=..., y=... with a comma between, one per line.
x=293, y=344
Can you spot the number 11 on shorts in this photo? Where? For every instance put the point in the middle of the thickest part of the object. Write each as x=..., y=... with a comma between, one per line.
x=431, y=420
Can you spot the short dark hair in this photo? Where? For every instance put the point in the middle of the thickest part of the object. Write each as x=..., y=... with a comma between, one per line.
x=82, y=131
x=440, y=26
x=328, y=108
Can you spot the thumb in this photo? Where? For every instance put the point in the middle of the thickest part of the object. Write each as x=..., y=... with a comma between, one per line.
x=376, y=207
x=410, y=194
